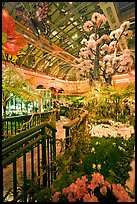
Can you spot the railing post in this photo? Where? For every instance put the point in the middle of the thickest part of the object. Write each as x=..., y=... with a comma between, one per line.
x=44, y=156
x=14, y=179
x=67, y=139
x=54, y=151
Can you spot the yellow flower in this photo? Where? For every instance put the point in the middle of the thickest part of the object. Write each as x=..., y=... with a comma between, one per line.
x=99, y=167
x=94, y=166
x=120, y=148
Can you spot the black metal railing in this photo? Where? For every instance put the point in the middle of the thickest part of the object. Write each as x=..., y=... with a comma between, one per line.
x=16, y=124
x=32, y=151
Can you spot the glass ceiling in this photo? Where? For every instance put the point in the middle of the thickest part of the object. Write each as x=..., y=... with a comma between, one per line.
x=65, y=20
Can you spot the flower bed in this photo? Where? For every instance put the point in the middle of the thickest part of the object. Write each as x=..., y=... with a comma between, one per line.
x=116, y=129
x=109, y=156
x=97, y=190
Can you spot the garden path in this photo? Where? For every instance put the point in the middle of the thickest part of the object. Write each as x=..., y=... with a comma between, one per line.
x=60, y=131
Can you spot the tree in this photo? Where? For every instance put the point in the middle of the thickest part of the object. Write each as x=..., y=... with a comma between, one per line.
x=13, y=84
x=101, y=57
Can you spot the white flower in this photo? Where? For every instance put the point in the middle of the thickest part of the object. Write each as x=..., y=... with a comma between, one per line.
x=92, y=36
x=107, y=58
x=84, y=41
x=93, y=149
x=96, y=143
x=120, y=148
x=125, y=25
x=94, y=166
x=115, y=34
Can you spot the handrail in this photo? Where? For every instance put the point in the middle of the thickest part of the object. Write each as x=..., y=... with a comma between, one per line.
x=17, y=124
x=75, y=122
x=17, y=146
x=28, y=121
x=19, y=136
x=24, y=116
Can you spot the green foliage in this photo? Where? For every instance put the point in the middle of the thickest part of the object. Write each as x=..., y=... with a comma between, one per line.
x=13, y=84
x=65, y=179
x=107, y=102
x=115, y=163
x=4, y=38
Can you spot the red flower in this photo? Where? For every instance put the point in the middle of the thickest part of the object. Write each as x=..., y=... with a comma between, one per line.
x=8, y=25
x=55, y=92
x=15, y=41
x=125, y=100
x=10, y=48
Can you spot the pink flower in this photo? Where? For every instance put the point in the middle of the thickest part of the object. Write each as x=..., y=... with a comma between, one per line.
x=99, y=19
x=105, y=37
x=55, y=197
x=65, y=191
x=107, y=58
x=105, y=47
x=94, y=199
x=97, y=177
x=119, y=191
x=93, y=185
x=103, y=190
x=87, y=62
x=107, y=184
x=79, y=60
x=88, y=25
x=80, y=191
x=90, y=198
x=86, y=197
x=101, y=40
x=112, y=46
x=71, y=198
x=91, y=44
x=84, y=41
x=73, y=188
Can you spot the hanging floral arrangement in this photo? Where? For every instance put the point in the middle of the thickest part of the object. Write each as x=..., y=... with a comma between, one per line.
x=12, y=41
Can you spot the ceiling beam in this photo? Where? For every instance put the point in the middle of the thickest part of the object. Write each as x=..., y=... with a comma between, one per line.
x=53, y=49
x=110, y=12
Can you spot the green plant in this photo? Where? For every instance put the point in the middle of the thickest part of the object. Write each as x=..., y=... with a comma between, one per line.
x=13, y=84
x=113, y=154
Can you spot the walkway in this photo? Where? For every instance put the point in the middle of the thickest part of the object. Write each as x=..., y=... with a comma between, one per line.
x=60, y=131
